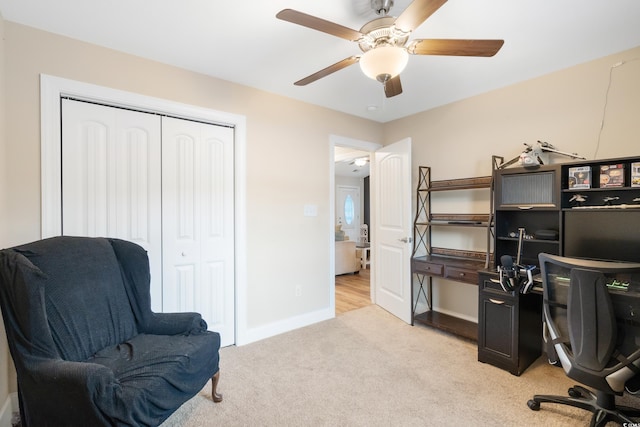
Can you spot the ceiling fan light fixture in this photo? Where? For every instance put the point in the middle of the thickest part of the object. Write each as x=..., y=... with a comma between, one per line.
x=384, y=62
x=361, y=161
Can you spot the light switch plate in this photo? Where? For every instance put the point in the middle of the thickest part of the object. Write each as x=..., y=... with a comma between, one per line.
x=310, y=210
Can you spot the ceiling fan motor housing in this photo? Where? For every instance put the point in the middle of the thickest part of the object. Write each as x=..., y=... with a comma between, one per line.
x=381, y=32
x=381, y=7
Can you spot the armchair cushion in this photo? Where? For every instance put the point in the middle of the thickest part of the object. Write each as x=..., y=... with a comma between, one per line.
x=87, y=348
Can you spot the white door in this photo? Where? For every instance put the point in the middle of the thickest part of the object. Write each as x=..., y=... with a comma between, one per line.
x=198, y=222
x=114, y=185
x=348, y=211
x=111, y=179
x=392, y=222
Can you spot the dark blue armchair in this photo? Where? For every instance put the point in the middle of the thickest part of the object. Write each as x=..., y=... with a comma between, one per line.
x=87, y=348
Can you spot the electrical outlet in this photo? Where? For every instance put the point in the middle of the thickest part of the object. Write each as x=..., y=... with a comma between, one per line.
x=298, y=291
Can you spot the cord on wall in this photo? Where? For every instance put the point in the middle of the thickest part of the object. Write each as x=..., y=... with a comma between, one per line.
x=606, y=101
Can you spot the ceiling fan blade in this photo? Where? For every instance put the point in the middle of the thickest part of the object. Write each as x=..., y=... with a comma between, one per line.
x=319, y=24
x=416, y=13
x=455, y=47
x=329, y=70
x=393, y=87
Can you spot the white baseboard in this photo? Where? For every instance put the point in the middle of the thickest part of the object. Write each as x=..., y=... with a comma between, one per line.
x=262, y=332
x=8, y=408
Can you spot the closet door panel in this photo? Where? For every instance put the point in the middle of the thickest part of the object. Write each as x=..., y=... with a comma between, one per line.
x=198, y=227
x=111, y=179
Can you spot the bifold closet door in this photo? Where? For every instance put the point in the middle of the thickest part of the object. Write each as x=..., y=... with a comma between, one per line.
x=198, y=222
x=111, y=180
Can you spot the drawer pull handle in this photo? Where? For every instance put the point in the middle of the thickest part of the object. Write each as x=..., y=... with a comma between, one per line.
x=495, y=301
x=461, y=274
x=495, y=281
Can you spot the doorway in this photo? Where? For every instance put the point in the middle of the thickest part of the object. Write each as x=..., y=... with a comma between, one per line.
x=352, y=290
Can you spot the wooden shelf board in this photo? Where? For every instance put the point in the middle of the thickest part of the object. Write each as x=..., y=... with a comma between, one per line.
x=461, y=184
x=451, y=324
x=455, y=224
x=469, y=255
x=472, y=217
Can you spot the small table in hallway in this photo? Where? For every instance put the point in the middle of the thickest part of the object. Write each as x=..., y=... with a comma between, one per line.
x=365, y=248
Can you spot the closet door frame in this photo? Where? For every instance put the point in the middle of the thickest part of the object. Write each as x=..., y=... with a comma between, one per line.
x=53, y=89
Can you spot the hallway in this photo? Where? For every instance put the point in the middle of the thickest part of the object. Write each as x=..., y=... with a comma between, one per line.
x=352, y=291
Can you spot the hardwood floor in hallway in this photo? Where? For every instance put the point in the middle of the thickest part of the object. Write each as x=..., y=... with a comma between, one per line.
x=352, y=291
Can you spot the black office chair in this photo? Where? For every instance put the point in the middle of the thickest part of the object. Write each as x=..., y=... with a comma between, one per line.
x=583, y=334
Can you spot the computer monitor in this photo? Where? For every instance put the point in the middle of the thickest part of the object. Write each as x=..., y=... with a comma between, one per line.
x=609, y=234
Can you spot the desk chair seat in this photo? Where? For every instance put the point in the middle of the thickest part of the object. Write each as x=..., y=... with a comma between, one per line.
x=585, y=337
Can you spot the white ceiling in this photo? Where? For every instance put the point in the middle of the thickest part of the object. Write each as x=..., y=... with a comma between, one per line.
x=243, y=42
x=345, y=162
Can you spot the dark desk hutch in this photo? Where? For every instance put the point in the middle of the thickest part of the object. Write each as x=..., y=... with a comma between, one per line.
x=562, y=209
x=587, y=216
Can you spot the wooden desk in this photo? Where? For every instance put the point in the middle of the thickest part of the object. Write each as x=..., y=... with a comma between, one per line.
x=463, y=270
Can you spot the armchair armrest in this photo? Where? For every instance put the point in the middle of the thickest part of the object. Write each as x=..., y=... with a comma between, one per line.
x=64, y=393
x=175, y=324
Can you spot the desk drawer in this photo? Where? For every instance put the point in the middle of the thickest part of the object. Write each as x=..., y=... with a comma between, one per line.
x=462, y=275
x=428, y=268
x=493, y=284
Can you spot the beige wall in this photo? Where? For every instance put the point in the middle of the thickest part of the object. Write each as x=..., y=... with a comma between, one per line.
x=280, y=131
x=565, y=109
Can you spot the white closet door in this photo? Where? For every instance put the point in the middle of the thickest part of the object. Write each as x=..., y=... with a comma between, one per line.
x=111, y=179
x=198, y=222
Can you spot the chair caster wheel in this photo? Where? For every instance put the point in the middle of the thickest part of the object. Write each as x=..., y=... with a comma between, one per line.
x=533, y=405
x=574, y=393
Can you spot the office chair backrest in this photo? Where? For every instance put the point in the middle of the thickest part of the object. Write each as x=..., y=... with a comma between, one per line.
x=591, y=320
x=581, y=319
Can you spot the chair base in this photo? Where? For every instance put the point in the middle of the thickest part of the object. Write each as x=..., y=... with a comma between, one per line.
x=601, y=404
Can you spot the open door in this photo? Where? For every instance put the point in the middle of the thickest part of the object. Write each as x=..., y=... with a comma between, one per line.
x=392, y=222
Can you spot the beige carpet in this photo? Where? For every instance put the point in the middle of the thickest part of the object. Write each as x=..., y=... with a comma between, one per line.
x=367, y=368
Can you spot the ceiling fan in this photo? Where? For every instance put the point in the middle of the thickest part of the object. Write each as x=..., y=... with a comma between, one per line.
x=360, y=161
x=385, y=42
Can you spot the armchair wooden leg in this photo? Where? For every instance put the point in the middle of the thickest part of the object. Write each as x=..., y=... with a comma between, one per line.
x=214, y=385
